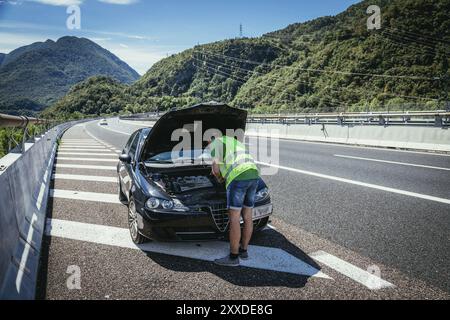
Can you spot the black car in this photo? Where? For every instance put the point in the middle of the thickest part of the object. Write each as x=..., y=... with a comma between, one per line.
x=169, y=199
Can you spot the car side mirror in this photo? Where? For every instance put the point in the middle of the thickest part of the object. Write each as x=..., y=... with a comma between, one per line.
x=126, y=158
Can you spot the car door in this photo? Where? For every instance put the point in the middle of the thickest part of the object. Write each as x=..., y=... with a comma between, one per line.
x=125, y=169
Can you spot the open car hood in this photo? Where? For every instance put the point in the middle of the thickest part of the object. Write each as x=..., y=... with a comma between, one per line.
x=212, y=115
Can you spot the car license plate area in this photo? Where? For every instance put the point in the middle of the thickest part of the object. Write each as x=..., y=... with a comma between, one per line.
x=262, y=212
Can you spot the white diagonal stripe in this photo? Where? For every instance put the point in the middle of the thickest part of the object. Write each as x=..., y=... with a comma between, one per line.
x=84, y=166
x=85, y=196
x=83, y=178
x=361, y=276
x=85, y=149
x=75, y=146
x=115, y=160
x=265, y=258
x=64, y=153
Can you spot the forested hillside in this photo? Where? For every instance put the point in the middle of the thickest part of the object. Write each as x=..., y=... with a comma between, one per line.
x=327, y=64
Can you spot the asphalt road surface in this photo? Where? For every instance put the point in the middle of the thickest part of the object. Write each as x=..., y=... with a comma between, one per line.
x=349, y=223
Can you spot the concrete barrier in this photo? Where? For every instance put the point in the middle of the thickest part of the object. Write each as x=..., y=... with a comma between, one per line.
x=24, y=187
x=401, y=137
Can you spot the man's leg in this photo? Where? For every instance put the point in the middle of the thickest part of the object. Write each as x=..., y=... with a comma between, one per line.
x=235, y=230
x=247, y=215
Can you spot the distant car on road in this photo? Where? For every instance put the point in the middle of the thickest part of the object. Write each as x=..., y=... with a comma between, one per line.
x=175, y=197
x=103, y=122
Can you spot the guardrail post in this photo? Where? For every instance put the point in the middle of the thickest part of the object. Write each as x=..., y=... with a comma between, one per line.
x=438, y=121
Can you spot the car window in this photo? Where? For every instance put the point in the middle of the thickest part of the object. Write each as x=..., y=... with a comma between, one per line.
x=133, y=146
x=126, y=149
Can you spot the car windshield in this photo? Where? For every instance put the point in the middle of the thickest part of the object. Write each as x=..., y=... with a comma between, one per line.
x=181, y=156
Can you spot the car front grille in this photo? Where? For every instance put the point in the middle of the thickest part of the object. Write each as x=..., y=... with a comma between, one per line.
x=219, y=213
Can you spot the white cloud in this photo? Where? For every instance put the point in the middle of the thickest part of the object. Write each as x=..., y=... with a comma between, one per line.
x=95, y=39
x=121, y=2
x=64, y=3
x=140, y=58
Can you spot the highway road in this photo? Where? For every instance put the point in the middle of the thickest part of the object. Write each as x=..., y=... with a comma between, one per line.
x=342, y=215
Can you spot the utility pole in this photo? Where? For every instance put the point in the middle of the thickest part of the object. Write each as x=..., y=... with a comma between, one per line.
x=241, y=31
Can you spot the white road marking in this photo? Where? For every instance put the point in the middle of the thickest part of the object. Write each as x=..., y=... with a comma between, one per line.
x=393, y=162
x=359, y=183
x=265, y=258
x=85, y=196
x=85, y=149
x=115, y=160
x=83, y=178
x=84, y=166
x=361, y=276
x=78, y=140
x=91, y=146
x=64, y=153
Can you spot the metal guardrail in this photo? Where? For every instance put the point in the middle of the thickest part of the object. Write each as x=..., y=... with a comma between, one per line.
x=423, y=118
x=437, y=118
x=8, y=121
x=23, y=123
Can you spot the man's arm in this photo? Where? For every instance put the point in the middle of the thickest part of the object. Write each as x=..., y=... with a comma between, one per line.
x=216, y=170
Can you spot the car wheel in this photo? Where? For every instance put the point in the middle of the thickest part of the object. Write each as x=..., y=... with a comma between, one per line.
x=133, y=224
x=122, y=197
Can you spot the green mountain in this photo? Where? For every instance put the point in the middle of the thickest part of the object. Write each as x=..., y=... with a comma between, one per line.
x=96, y=95
x=37, y=75
x=327, y=64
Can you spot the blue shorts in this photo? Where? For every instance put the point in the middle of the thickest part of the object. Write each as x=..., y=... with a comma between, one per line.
x=241, y=194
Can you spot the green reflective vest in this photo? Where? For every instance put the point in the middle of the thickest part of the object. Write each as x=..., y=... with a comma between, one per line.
x=234, y=161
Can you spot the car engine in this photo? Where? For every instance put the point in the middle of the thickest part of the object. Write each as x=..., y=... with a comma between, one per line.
x=181, y=184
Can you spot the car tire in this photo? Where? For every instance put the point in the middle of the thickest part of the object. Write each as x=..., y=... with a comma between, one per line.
x=133, y=224
x=122, y=197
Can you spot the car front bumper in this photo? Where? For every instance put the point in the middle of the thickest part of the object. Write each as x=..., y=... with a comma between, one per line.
x=189, y=226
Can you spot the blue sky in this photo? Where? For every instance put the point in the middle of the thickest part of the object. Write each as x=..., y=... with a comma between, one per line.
x=141, y=32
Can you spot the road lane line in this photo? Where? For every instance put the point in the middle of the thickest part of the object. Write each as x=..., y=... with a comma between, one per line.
x=84, y=196
x=115, y=160
x=265, y=258
x=359, y=183
x=84, y=166
x=78, y=141
x=91, y=146
x=76, y=177
x=392, y=162
x=81, y=149
x=106, y=154
x=359, y=275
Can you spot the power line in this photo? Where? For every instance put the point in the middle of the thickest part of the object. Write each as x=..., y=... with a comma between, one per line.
x=331, y=100
x=327, y=71
x=243, y=81
x=432, y=47
x=360, y=92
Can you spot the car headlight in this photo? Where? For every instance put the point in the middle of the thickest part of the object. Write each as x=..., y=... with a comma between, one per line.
x=173, y=204
x=262, y=194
